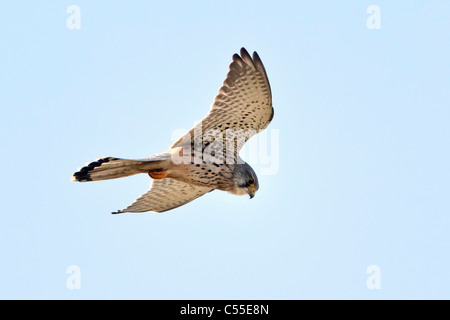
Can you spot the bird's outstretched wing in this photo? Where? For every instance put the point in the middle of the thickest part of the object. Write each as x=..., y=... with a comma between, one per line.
x=243, y=104
x=166, y=194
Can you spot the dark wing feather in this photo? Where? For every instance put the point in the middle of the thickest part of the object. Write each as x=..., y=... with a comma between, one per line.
x=243, y=104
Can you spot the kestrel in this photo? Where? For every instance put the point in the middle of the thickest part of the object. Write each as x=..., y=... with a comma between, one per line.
x=207, y=157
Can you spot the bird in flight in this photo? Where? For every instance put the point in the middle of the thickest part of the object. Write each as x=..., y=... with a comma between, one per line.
x=207, y=157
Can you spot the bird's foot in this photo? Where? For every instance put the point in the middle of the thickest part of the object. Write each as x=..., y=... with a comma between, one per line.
x=158, y=174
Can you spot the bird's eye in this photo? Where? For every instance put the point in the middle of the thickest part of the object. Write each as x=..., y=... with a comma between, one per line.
x=251, y=182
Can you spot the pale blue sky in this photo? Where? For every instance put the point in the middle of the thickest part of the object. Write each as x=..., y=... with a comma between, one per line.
x=363, y=120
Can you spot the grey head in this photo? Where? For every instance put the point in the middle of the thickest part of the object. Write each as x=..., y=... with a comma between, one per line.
x=245, y=180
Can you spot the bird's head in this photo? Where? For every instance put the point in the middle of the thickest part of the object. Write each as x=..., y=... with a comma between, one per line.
x=245, y=180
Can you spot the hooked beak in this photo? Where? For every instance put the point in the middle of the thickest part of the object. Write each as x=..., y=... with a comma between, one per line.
x=251, y=192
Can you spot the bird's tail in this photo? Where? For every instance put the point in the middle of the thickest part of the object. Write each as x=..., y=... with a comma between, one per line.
x=113, y=168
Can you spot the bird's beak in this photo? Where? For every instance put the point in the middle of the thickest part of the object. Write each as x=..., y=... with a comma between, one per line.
x=251, y=192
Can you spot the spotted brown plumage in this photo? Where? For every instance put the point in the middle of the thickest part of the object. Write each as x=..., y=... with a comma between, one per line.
x=242, y=106
x=207, y=157
x=166, y=194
